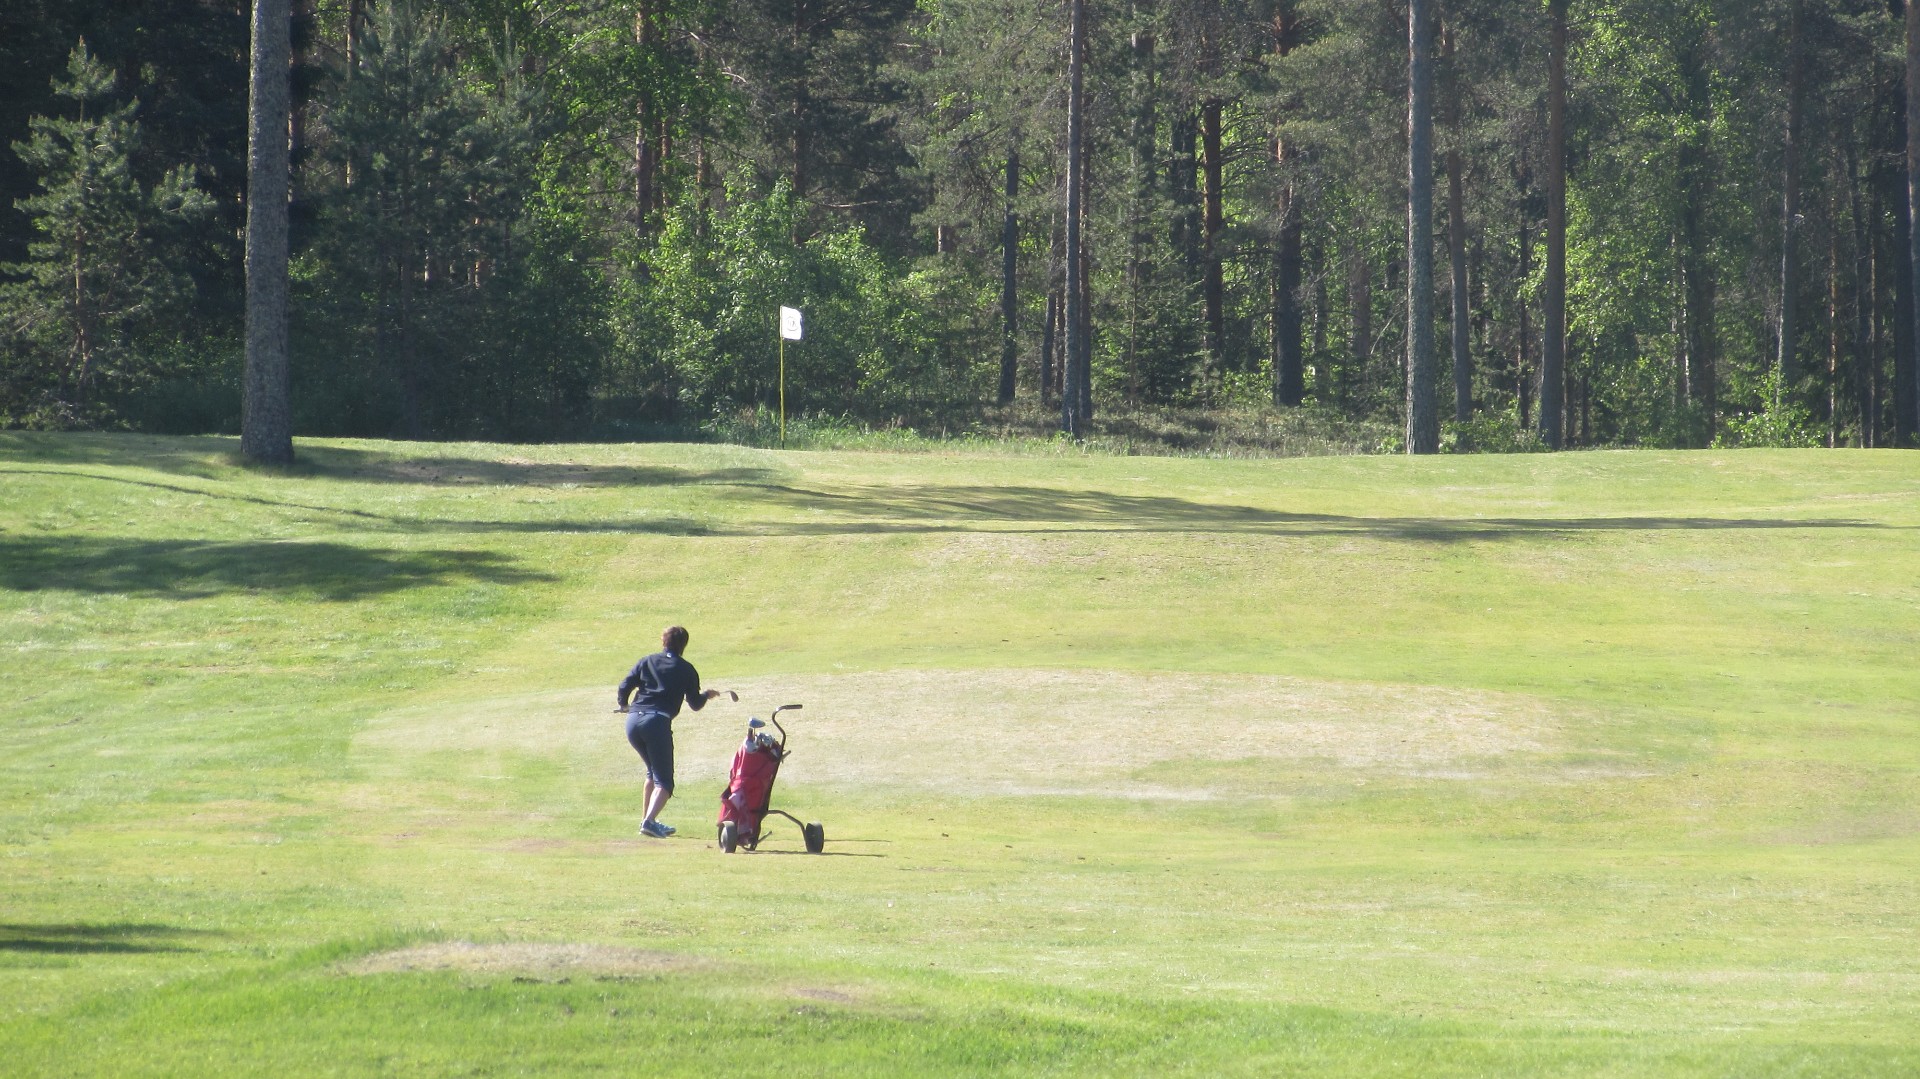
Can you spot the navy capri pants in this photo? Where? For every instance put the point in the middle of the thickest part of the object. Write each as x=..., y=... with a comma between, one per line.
x=651, y=735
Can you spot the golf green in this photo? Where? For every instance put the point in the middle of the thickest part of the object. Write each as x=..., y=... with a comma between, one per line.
x=1575, y=764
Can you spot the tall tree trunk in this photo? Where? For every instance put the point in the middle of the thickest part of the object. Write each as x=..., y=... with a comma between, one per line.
x=1359, y=312
x=1862, y=300
x=1084, y=366
x=1139, y=204
x=1553, y=349
x=801, y=107
x=1213, y=220
x=1073, y=412
x=1289, y=366
x=266, y=416
x=356, y=18
x=1907, y=386
x=1833, y=328
x=1523, y=346
x=1784, y=357
x=1009, y=285
x=646, y=165
x=1185, y=179
x=1695, y=153
x=1048, y=342
x=1457, y=243
x=1905, y=331
x=1423, y=421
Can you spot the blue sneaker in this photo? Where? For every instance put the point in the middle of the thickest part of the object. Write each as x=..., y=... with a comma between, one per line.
x=655, y=829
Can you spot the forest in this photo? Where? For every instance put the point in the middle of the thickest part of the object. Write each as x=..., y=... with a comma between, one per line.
x=1491, y=225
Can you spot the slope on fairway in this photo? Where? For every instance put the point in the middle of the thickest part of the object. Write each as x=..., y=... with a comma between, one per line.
x=1586, y=764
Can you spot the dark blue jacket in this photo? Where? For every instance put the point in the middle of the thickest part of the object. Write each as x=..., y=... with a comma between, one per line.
x=659, y=683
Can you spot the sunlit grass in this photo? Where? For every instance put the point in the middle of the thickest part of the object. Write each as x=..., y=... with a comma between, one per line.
x=1105, y=748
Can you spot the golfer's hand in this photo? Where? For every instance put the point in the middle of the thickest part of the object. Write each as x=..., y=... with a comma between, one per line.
x=713, y=694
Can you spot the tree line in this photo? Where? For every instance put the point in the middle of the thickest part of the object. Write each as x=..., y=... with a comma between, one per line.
x=1499, y=224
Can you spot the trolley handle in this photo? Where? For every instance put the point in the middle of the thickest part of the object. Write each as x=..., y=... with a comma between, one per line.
x=775, y=719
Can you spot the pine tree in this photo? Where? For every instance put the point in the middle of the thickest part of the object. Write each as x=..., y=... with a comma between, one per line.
x=266, y=412
x=1423, y=424
x=94, y=279
x=418, y=241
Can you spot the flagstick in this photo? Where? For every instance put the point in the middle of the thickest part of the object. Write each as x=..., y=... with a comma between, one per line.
x=783, y=391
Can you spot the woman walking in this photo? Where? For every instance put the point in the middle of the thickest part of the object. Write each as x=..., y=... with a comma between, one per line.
x=656, y=686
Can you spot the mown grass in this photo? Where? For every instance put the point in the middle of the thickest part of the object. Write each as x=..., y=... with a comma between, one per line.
x=251, y=724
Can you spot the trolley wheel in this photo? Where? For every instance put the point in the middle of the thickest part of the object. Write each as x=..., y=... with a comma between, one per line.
x=815, y=836
x=729, y=837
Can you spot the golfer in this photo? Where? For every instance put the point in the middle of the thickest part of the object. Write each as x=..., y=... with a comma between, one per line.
x=656, y=686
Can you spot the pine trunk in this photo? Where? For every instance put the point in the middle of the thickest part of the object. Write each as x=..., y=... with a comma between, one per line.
x=1457, y=248
x=1906, y=386
x=1359, y=313
x=1423, y=422
x=1289, y=366
x=1213, y=222
x=1784, y=357
x=1523, y=346
x=645, y=159
x=1698, y=341
x=266, y=421
x=1048, y=343
x=1009, y=291
x=1457, y=258
x=1905, y=331
x=1073, y=411
x=1139, y=207
x=1552, y=418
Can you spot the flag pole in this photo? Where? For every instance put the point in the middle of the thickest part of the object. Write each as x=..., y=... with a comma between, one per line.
x=783, y=391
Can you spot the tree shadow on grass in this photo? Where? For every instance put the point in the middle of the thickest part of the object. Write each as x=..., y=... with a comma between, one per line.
x=934, y=509
x=213, y=456
x=204, y=456
x=187, y=569
x=374, y=466
x=82, y=938
x=957, y=508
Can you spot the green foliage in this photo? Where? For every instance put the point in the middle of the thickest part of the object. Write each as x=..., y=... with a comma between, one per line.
x=83, y=317
x=438, y=300
x=1780, y=422
x=1490, y=432
x=703, y=316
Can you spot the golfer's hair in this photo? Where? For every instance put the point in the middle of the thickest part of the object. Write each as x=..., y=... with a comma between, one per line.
x=674, y=639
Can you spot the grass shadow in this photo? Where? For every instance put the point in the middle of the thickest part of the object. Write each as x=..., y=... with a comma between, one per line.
x=374, y=466
x=188, y=569
x=213, y=456
x=908, y=509
x=204, y=456
x=901, y=508
x=96, y=938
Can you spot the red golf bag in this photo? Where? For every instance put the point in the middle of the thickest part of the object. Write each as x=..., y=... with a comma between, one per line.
x=747, y=800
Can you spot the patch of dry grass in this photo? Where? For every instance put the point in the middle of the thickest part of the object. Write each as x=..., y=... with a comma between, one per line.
x=539, y=962
x=1019, y=731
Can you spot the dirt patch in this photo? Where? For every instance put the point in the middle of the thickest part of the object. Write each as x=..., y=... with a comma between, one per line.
x=541, y=962
x=827, y=996
x=1019, y=732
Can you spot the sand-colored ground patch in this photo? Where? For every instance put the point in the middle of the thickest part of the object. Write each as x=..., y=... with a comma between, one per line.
x=1015, y=732
x=546, y=962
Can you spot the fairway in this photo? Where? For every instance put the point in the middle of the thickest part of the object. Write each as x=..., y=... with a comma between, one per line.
x=1593, y=763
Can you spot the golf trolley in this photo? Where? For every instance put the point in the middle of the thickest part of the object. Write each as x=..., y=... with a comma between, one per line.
x=744, y=803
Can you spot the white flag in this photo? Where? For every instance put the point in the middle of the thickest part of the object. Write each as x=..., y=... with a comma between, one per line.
x=790, y=323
